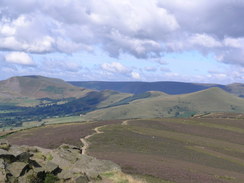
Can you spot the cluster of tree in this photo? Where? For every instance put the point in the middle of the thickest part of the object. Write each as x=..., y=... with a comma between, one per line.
x=37, y=113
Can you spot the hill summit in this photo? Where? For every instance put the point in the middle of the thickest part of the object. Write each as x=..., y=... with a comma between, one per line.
x=39, y=87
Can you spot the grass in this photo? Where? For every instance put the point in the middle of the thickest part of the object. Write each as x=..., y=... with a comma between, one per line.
x=161, y=149
x=152, y=179
x=68, y=119
x=119, y=177
x=211, y=100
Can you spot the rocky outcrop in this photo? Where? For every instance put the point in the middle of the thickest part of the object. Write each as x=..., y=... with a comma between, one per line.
x=26, y=164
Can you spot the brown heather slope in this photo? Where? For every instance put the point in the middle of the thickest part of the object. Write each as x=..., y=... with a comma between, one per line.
x=52, y=136
x=176, y=150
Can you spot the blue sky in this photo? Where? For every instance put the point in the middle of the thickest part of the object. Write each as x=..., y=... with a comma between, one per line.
x=127, y=40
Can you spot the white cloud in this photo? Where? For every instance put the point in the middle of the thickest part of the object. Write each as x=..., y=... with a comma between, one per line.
x=205, y=41
x=20, y=58
x=142, y=28
x=135, y=75
x=234, y=42
x=114, y=67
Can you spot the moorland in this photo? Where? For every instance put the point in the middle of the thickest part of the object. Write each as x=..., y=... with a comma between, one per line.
x=187, y=133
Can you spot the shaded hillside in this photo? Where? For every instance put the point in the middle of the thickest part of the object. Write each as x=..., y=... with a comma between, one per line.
x=210, y=100
x=16, y=115
x=39, y=87
x=173, y=88
x=236, y=89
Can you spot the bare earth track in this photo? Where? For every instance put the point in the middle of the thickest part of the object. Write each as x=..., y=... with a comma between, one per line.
x=97, y=130
x=163, y=150
x=86, y=143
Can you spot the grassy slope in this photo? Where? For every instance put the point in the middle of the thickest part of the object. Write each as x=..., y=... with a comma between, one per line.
x=164, y=86
x=210, y=100
x=141, y=87
x=38, y=87
x=236, y=88
x=178, y=150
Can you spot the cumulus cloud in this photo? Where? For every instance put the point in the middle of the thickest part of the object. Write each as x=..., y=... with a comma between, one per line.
x=20, y=58
x=135, y=75
x=117, y=70
x=114, y=67
x=142, y=28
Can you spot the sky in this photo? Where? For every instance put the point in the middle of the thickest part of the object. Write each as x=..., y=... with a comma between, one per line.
x=198, y=41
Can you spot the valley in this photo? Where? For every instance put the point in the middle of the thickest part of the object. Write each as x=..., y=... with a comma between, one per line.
x=153, y=136
x=35, y=99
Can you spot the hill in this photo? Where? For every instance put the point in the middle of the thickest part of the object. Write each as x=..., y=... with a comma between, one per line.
x=210, y=100
x=173, y=88
x=236, y=88
x=39, y=87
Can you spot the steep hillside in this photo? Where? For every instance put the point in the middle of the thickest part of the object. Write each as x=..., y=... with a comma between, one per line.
x=173, y=88
x=236, y=88
x=210, y=100
x=39, y=87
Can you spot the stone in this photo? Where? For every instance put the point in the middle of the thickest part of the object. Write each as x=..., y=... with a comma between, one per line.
x=2, y=164
x=24, y=157
x=26, y=164
x=52, y=168
x=18, y=168
x=2, y=175
x=81, y=179
x=4, y=144
x=5, y=155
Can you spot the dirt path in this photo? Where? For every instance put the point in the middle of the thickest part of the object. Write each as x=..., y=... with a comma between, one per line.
x=125, y=122
x=97, y=131
x=86, y=143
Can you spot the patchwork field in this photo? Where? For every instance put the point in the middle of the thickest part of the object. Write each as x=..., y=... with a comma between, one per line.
x=169, y=150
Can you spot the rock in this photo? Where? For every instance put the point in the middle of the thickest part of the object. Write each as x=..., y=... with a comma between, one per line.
x=66, y=175
x=4, y=144
x=81, y=179
x=2, y=164
x=27, y=177
x=5, y=155
x=33, y=163
x=52, y=168
x=24, y=157
x=16, y=150
x=93, y=167
x=26, y=164
x=11, y=179
x=18, y=168
x=2, y=175
x=39, y=173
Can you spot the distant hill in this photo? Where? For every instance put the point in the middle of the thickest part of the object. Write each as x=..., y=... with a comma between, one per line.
x=186, y=105
x=38, y=97
x=236, y=89
x=172, y=88
x=39, y=87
